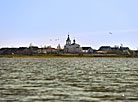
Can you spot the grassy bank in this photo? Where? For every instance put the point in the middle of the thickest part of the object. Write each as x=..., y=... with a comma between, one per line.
x=69, y=55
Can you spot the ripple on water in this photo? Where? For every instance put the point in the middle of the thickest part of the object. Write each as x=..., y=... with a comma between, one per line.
x=69, y=79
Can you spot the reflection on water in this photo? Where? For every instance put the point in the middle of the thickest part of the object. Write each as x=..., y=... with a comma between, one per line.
x=68, y=79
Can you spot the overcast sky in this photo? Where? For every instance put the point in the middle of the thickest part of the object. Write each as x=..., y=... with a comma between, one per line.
x=41, y=22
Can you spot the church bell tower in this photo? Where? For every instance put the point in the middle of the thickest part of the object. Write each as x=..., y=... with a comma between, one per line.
x=68, y=41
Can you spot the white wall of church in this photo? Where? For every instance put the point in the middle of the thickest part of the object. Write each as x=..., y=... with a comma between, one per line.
x=72, y=48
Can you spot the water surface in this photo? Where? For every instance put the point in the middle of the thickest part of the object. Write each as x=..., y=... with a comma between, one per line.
x=68, y=80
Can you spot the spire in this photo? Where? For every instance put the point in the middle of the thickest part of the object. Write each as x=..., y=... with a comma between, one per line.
x=30, y=45
x=74, y=41
x=58, y=47
x=68, y=39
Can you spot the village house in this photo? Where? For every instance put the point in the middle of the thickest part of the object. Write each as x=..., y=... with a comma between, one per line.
x=42, y=51
x=22, y=50
x=33, y=50
x=51, y=50
x=87, y=50
x=125, y=50
x=8, y=51
x=104, y=49
x=47, y=50
x=136, y=53
x=115, y=50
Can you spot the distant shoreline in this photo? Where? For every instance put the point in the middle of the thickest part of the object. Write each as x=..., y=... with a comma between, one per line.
x=65, y=56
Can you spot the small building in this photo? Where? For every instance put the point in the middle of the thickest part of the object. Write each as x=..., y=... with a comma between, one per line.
x=22, y=50
x=51, y=50
x=115, y=50
x=42, y=51
x=104, y=48
x=8, y=51
x=136, y=52
x=87, y=50
x=33, y=50
x=47, y=50
x=125, y=50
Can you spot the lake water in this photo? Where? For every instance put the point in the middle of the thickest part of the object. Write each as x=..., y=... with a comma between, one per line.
x=68, y=80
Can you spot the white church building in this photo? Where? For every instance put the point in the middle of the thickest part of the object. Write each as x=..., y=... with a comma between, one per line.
x=72, y=48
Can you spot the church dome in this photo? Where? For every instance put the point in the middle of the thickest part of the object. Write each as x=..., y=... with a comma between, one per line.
x=68, y=39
